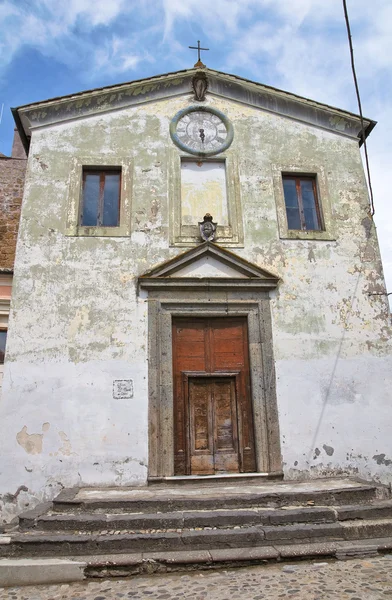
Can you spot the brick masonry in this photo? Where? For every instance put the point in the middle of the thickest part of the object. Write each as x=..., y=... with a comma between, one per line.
x=12, y=176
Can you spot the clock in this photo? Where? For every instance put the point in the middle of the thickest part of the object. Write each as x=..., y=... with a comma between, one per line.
x=201, y=130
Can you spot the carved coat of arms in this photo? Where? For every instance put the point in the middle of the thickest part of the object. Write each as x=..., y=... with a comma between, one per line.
x=207, y=228
x=200, y=86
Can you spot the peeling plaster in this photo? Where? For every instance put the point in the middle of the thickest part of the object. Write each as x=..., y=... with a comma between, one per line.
x=367, y=224
x=381, y=460
x=66, y=447
x=311, y=256
x=41, y=164
x=329, y=450
x=31, y=443
x=13, y=497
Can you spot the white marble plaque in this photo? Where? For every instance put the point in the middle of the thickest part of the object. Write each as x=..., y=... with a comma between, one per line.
x=122, y=388
x=203, y=190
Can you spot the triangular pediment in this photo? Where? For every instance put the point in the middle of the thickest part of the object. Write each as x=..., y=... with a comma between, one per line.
x=208, y=265
x=153, y=89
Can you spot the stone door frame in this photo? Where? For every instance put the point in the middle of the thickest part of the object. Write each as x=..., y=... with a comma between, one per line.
x=163, y=305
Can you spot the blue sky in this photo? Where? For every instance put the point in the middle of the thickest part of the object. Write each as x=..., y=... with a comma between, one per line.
x=54, y=47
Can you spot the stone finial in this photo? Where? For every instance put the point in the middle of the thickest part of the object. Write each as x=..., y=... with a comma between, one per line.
x=207, y=229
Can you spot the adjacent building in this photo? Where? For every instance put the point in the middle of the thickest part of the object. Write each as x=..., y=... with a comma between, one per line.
x=12, y=173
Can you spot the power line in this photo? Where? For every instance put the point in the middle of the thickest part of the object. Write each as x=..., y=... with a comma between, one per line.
x=371, y=200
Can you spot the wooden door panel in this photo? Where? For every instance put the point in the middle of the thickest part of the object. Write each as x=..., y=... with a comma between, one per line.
x=224, y=361
x=192, y=363
x=205, y=347
x=200, y=415
x=225, y=415
x=233, y=345
x=200, y=425
x=228, y=346
x=213, y=426
x=193, y=349
x=226, y=457
x=188, y=355
x=190, y=330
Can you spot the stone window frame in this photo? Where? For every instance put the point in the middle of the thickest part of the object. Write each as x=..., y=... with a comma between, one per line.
x=328, y=232
x=163, y=306
x=75, y=196
x=231, y=235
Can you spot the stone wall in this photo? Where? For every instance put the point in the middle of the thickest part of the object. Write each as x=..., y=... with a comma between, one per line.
x=79, y=323
x=12, y=175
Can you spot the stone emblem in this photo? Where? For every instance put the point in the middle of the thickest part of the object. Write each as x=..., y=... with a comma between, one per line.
x=200, y=86
x=207, y=229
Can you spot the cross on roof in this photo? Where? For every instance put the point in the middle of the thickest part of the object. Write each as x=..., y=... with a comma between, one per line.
x=198, y=48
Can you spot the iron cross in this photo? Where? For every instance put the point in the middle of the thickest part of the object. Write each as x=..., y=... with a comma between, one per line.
x=198, y=48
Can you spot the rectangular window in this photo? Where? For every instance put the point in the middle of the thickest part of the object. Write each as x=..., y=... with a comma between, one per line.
x=3, y=341
x=302, y=205
x=101, y=198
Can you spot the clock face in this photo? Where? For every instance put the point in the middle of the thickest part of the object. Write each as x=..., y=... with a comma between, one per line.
x=201, y=131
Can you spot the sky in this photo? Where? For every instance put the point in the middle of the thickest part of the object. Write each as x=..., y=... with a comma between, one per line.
x=50, y=48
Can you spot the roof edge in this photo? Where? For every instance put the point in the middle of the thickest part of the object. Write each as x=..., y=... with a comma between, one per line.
x=158, y=86
x=189, y=72
x=18, y=122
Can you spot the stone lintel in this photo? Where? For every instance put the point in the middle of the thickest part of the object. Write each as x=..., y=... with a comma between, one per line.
x=212, y=283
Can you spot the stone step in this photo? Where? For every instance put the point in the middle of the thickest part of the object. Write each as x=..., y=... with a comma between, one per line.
x=44, y=519
x=149, y=562
x=376, y=510
x=138, y=530
x=41, y=570
x=154, y=499
x=176, y=520
x=216, y=480
x=35, y=571
x=36, y=543
x=21, y=571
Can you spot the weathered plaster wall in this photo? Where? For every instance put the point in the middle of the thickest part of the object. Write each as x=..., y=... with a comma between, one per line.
x=78, y=323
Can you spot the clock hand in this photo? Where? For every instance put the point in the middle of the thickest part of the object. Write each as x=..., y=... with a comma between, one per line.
x=202, y=135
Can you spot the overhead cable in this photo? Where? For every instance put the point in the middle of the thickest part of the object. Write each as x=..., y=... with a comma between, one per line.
x=371, y=200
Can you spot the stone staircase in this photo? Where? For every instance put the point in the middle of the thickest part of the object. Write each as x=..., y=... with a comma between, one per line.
x=165, y=527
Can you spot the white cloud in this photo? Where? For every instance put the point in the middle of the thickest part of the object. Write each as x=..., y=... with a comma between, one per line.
x=114, y=56
x=217, y=19
x=64, y=31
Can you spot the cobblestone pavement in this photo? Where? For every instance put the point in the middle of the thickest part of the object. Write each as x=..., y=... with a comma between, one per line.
x=369, y=579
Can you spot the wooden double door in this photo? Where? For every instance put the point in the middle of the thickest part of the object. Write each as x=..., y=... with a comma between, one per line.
x=213, y=420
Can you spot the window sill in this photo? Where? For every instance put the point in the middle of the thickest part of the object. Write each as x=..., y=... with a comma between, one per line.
x=295, y=234
x=120, y=231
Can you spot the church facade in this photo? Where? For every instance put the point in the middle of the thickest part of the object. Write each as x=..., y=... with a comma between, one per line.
x=198, y=292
